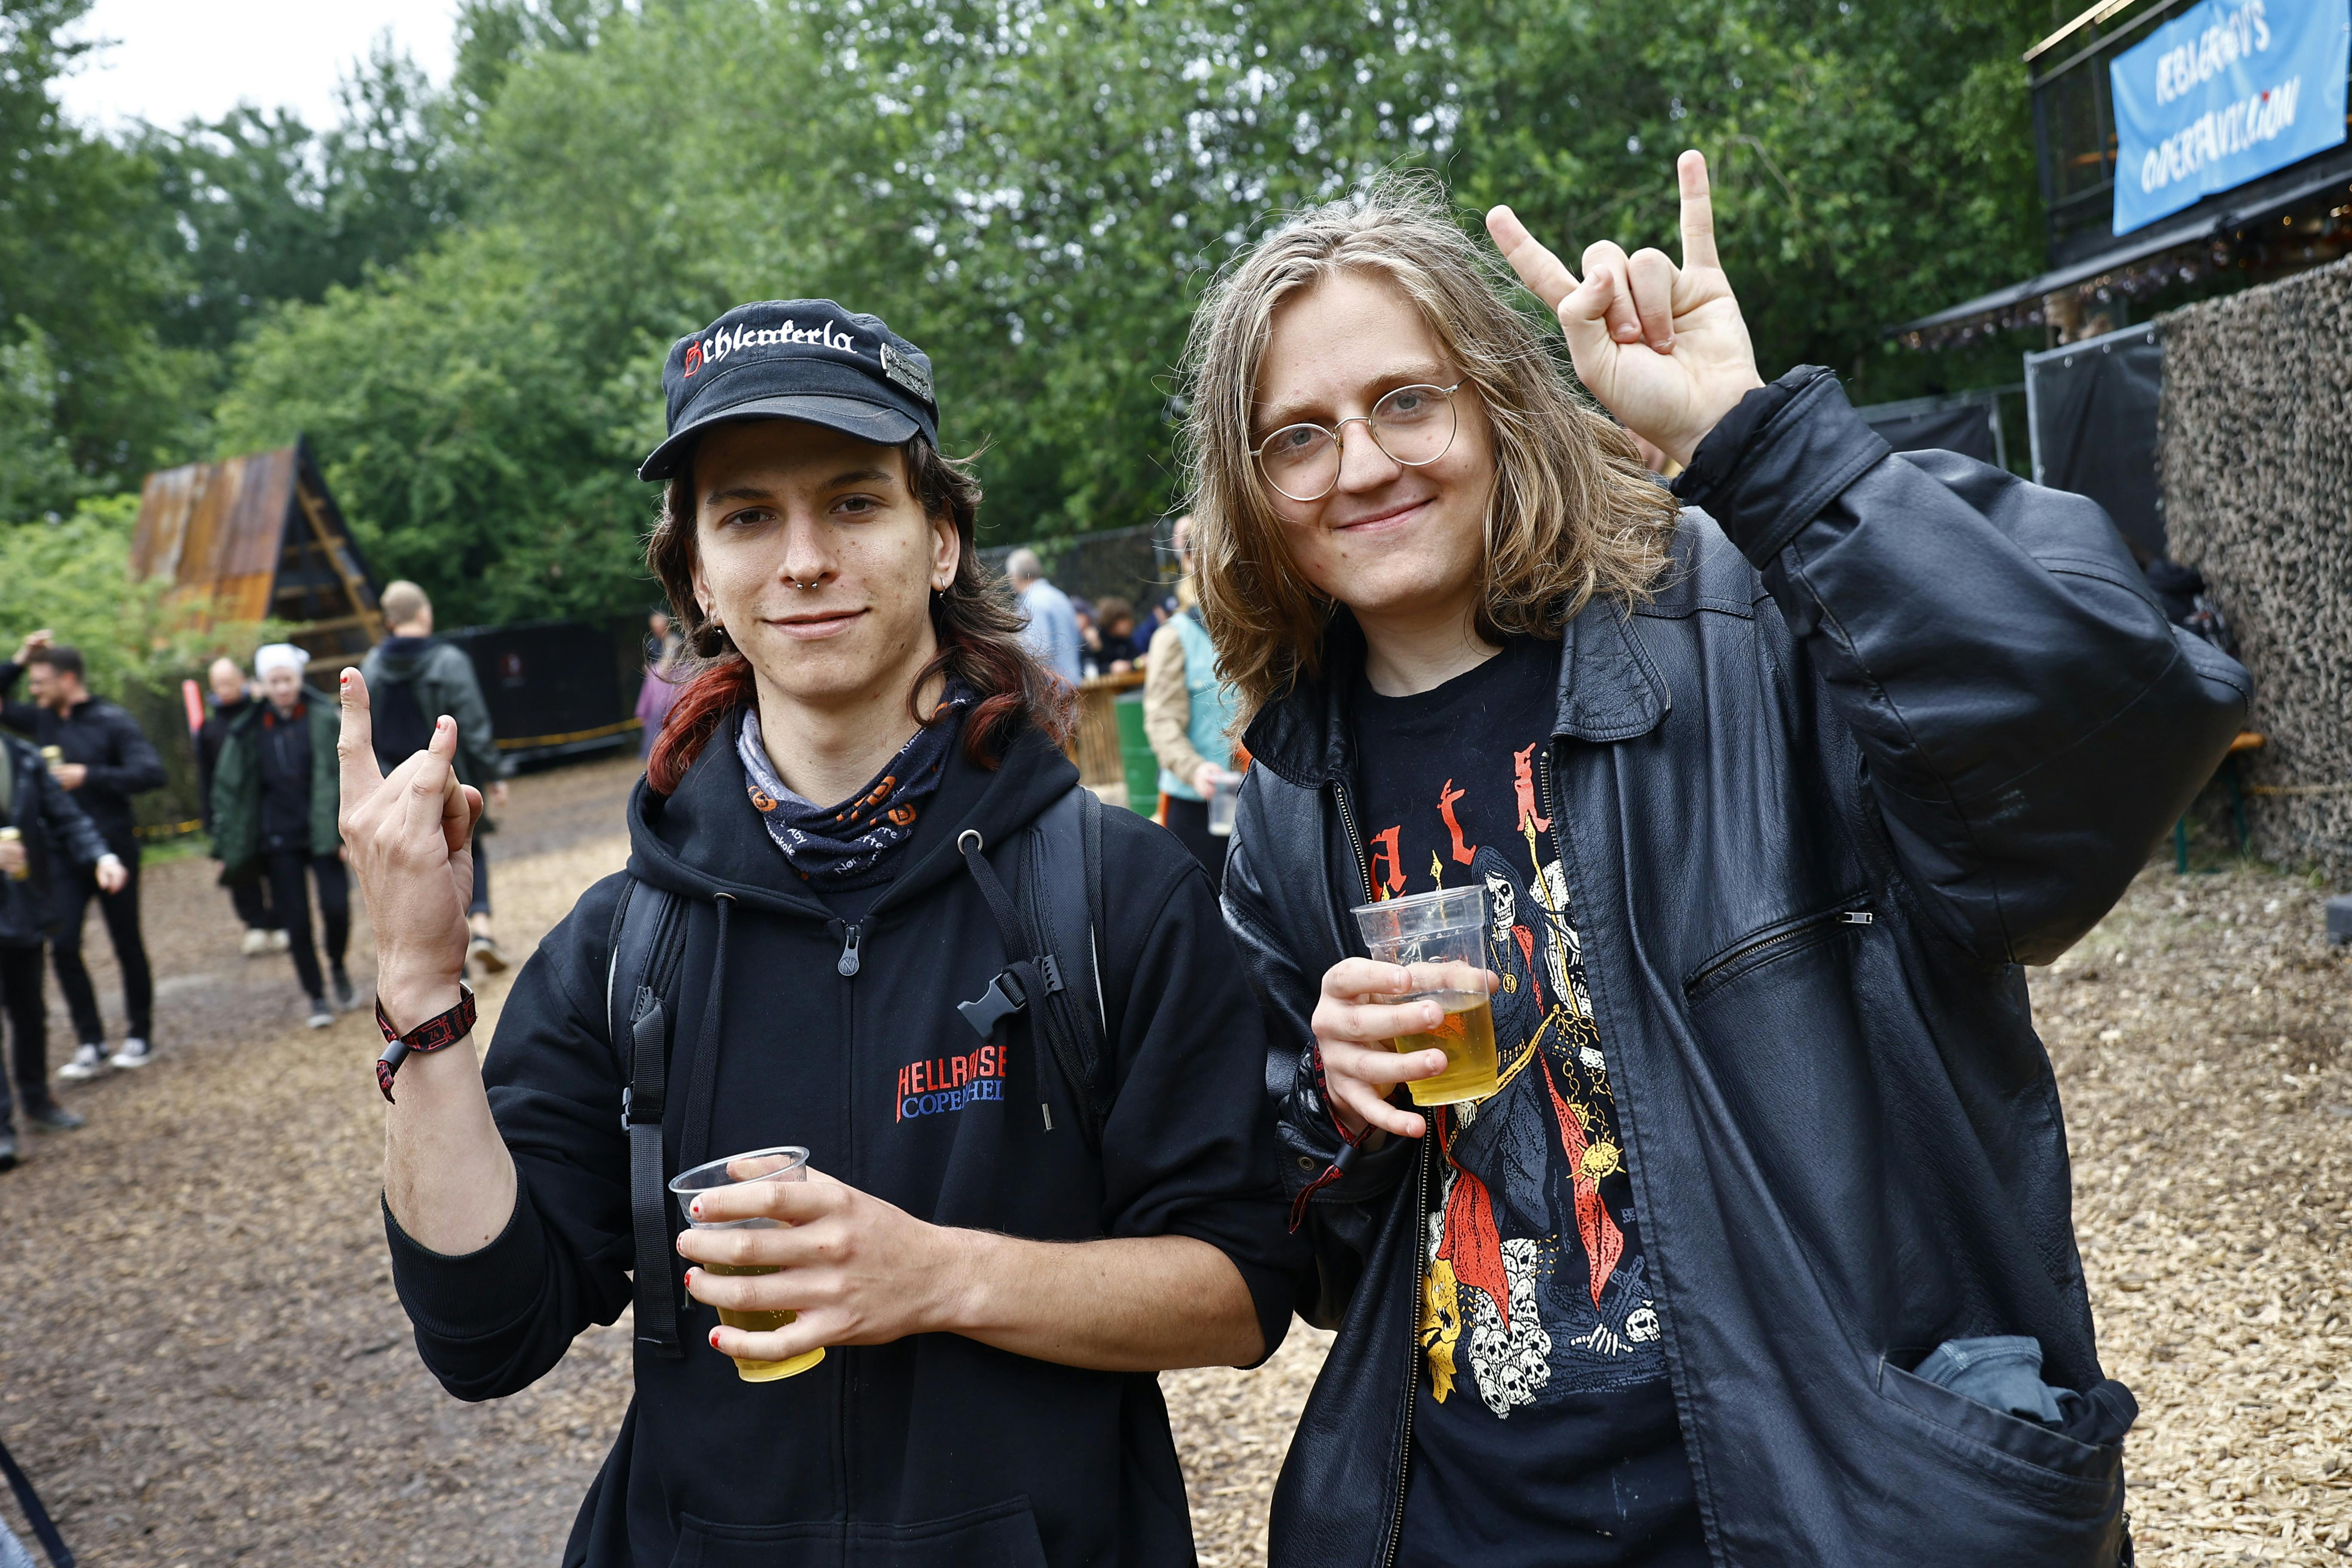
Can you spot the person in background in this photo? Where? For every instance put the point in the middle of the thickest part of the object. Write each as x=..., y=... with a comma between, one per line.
x=95, y=750
x=1188, y=713
x=274, y=797
x=1052, y=632
x=658, y=690
x=662, y=641
x=39, y=825
x=1120, y=650
x=418, y=677
x=249, y=893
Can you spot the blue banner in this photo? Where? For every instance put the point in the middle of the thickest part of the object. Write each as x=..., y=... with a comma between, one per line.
x=2228, y=90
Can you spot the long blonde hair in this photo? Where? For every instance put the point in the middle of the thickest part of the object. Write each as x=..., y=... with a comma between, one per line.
x=1574, y=513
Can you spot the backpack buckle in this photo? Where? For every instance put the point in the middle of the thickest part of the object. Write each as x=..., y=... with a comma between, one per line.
x=998, y=1003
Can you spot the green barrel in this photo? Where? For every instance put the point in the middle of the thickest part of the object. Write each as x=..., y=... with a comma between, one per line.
x=1142, y=766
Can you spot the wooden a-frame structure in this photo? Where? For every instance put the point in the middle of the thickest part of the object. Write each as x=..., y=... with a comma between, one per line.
x=258, y=538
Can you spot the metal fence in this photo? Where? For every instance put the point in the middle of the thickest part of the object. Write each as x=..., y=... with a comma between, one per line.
x=1138, y=564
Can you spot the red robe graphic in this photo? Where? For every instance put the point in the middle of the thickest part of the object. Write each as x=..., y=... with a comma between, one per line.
x=1470, y=1243
x=1603, y=1242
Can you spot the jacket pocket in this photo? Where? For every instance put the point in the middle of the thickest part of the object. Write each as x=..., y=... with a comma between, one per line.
x=2025, y=1459
x=1772, y=943
x=1002, y=1535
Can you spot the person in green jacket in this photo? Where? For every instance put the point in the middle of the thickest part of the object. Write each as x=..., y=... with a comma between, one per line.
x=276, y=791
x=418, y=677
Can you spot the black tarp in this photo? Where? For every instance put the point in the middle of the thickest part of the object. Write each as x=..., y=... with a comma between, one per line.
x=553, y=686
x=1963, y=427
x=2092, y=407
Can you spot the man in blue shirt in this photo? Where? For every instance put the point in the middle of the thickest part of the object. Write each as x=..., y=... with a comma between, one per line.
x=1053, y=630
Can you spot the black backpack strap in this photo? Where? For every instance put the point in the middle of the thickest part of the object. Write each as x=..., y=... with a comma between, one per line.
x=1051, y=972
x=1061, y=888
x=45, y=1530
x=648, y=941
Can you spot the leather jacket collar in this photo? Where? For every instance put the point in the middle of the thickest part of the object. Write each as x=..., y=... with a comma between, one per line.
x=1610, y=689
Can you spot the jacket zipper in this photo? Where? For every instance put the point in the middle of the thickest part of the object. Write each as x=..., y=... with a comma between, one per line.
x=1412, y=1344
x=847, y=966
x=1420, y=1229
x=1355, y=840
x=1781, y=938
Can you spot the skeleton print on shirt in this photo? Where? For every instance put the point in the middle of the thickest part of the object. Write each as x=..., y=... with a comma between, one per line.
x=1534, y=1286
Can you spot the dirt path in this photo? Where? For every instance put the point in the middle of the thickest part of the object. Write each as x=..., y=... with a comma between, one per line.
x=202, y=1363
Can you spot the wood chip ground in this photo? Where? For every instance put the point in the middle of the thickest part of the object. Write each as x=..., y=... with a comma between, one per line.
x=202, y=1363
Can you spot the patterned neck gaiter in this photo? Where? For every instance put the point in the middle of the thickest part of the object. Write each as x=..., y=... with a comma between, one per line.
x=845, y=846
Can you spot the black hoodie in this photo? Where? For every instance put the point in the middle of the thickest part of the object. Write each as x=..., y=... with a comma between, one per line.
x=936, y=1450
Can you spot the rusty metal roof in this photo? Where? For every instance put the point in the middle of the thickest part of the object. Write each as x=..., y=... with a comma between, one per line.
x=258, y=538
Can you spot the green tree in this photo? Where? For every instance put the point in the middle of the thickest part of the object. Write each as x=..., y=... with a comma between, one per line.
x=270, y=210
x=1037, y=191
x=83, y=286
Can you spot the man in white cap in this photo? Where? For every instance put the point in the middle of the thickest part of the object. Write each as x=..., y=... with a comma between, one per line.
x=276, y=790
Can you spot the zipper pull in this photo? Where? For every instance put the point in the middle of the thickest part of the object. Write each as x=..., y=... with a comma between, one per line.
x=848, y=962
x=1857, y=918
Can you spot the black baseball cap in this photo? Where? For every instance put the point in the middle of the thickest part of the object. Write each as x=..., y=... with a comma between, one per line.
x=794, y=359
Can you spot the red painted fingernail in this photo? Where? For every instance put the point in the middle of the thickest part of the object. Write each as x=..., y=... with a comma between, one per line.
x=694, y=1208
x=689, y=1278
x=714, y=1339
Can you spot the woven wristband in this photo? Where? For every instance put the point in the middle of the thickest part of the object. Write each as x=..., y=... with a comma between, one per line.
x=443, y=1029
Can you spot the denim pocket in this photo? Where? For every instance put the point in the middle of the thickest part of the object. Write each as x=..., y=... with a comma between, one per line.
x=1002, y=1535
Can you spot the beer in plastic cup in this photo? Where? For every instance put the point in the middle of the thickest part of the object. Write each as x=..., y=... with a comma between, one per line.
x=781, y=1164
x=1224, y=795
x=1432, y=933
x=16, y=836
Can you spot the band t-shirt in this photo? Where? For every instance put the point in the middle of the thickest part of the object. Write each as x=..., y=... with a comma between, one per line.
x=1544, y=1429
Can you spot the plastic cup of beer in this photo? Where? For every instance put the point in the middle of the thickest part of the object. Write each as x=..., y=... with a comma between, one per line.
x=782, y=1164
x=1224, y=797
x=1441, y=938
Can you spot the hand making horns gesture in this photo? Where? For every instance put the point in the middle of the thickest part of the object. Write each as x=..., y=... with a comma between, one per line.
x=1662, y=347
x=407, y=836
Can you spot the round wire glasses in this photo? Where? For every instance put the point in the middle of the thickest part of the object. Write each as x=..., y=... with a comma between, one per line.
x=1413, y=425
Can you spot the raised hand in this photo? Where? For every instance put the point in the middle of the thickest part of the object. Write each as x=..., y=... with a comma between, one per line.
x=405, y=836
x=1662, y=347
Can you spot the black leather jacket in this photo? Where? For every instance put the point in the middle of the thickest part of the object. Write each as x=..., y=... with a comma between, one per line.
x=1912, y=690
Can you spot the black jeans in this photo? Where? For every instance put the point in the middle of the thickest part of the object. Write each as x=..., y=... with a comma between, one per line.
x=28, y=1028
x=250, y=896
x=289, y=896
x=76, y=887
x=1189, y=821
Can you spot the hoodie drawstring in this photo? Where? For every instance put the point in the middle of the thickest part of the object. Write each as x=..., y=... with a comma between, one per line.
x=694, y=1147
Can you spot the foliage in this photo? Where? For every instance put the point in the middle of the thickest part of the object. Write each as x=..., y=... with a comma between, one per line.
x=68, y=575
x=463, y=299
x=81, y=291
x=268, y=209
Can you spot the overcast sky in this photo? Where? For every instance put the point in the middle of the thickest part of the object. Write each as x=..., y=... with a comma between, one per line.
x=170, y=59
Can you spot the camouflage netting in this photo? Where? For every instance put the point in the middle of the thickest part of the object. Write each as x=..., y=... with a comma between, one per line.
x=2255, y=453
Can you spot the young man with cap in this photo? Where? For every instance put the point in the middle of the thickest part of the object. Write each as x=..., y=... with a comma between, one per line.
x=274, y=796
x=995, y=1250
x=44, y=836
x=96, y=750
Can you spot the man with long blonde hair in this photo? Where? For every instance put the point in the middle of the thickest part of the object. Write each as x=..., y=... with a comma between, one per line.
x=1760, y=1249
